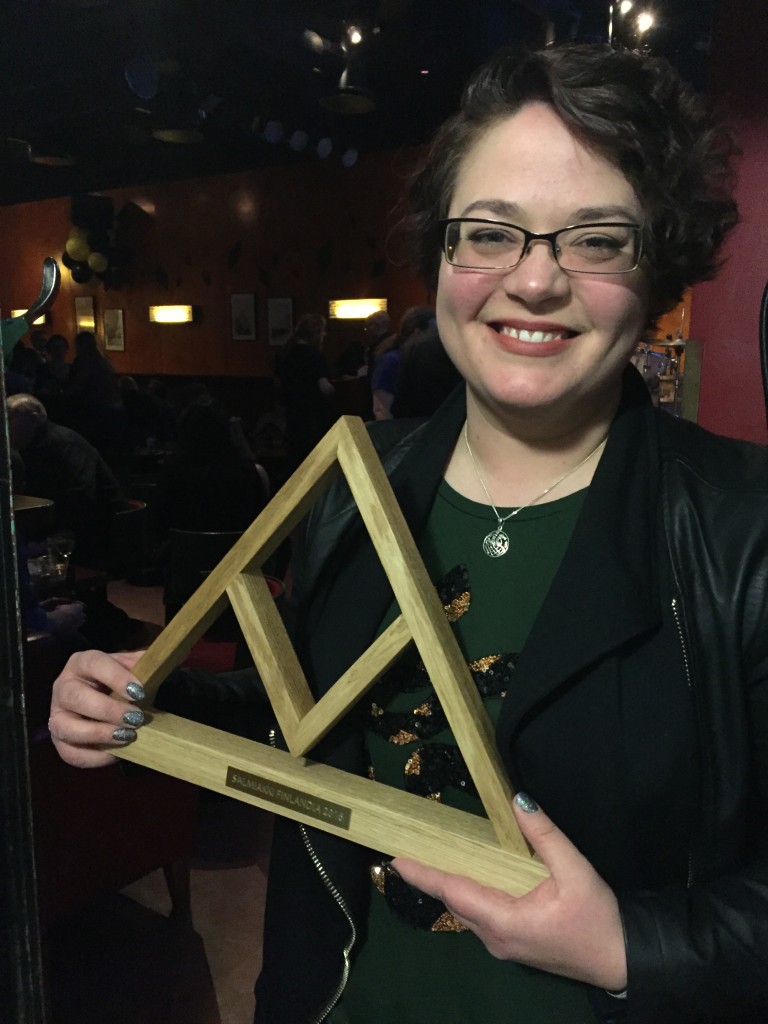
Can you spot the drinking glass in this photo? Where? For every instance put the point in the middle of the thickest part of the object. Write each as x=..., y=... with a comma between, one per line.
x=60, y=545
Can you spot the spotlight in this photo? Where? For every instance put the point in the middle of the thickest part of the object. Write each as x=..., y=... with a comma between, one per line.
x=644, y=22
x=298, y=141
x=273, y=131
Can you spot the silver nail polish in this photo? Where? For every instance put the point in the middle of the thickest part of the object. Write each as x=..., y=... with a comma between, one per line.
x=135, y=691
x=526, y=803
x=134, y=718
x=124, y=735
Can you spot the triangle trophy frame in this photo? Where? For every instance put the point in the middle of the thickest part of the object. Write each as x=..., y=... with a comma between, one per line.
x=492, y=850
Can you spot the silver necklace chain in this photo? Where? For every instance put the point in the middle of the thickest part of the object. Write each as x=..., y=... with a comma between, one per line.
x=496, y=543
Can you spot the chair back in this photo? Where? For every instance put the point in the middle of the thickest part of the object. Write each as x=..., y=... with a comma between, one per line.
x=192, y=556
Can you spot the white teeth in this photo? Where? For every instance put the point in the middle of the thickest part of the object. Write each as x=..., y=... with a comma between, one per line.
x=534, y=336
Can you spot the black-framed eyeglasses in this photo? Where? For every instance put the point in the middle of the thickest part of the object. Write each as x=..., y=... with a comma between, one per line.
x=475, y=243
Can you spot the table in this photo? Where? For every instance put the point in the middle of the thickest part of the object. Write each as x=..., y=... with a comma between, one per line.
x=35, y=516
x=78, y=581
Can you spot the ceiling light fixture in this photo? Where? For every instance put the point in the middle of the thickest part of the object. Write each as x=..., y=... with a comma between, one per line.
x=50, y=156
x=645, y=21
x=352, y=95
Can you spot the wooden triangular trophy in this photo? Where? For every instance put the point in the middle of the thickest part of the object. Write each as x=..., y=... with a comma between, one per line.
x=389, y=820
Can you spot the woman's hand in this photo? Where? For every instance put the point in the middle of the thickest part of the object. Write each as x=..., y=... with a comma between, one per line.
x=568, y=925
x=85, y=718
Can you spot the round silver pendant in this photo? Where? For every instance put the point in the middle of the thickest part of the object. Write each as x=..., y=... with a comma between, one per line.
x=496, y=543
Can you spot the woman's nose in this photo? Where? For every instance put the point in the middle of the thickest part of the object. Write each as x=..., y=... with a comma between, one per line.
x=537, y=276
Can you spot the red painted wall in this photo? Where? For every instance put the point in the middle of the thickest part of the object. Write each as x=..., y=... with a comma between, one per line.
x=311, y=232
x=725, y=312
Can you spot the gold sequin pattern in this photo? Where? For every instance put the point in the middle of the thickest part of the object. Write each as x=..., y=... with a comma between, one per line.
x=448, y=923
x=402, y=737
x=413, y=764
x=457, y=607
x=483, y=664
x=377, y=877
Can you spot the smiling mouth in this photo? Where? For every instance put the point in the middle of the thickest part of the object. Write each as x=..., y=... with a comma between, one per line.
x=536, y=337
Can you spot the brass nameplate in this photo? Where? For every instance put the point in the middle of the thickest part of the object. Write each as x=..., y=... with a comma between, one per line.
x=285, y=796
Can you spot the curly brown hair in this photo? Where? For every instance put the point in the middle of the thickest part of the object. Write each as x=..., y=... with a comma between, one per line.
x=636, y=112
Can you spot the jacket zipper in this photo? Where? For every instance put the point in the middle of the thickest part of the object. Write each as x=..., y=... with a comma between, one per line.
x=341, y=902
x=689, y=678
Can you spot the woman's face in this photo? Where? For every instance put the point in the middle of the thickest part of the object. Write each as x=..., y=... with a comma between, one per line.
x=536, y=340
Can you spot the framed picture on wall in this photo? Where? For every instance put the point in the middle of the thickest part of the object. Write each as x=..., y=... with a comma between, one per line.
x=85, y=318
x=244, y=317
x=114, y=334
x=280, y=321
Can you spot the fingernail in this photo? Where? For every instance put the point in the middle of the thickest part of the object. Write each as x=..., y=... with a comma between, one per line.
x=124, y=735
x=135, y=691
x=134, y=718
x=526, y=803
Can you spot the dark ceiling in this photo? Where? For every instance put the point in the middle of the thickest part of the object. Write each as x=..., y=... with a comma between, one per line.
x=87, y=81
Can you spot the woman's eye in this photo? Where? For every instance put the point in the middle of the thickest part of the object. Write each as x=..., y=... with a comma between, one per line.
x=491, y=238
x=600, y=242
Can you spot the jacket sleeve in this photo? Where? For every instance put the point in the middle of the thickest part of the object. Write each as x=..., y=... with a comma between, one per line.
x=701, y=954
x=235, y=702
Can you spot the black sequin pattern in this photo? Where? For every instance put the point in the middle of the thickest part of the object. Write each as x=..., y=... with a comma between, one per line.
x=430, y=767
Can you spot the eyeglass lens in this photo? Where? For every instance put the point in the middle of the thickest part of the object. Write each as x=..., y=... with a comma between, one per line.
x=591, y=248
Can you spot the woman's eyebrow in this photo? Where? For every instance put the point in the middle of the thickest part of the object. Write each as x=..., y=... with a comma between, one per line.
x=589, y=213
x=507, y=210
x=498, y=207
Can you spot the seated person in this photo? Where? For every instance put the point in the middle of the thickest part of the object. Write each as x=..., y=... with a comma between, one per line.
x=63, y=466
x=207, y=484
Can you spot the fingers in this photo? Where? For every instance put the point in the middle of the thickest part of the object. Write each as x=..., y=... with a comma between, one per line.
x=555, y=850
x=85, y=717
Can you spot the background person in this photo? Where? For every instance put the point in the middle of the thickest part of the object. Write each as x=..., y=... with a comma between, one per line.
x=582, y=542
x=305, y=390
x=386, y=365
x=61, y=465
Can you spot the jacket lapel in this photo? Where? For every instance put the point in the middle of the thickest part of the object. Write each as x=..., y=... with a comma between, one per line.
x=605, y=592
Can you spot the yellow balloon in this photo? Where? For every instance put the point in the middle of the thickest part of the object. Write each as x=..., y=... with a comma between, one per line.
x=78, y=249
x=98, y=262
x=77, y=232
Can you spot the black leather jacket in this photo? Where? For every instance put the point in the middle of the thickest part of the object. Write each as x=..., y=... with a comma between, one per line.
x=639, y=718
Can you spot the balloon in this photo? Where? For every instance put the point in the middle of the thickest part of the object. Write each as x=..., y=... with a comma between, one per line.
x=67, y=260
x=98, y=262
x=78, y=249
x=81, y=273
x=77, y=232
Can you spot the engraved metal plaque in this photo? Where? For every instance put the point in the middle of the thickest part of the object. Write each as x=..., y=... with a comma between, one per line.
x=286, y=796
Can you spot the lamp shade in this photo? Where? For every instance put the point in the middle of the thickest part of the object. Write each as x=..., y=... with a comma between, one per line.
x=178, y=314
x=355, y=309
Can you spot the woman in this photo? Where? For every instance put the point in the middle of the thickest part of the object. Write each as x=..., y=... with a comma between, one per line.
x=207, y=484
x=304, y=387
x=387, y=360
x=604, y=559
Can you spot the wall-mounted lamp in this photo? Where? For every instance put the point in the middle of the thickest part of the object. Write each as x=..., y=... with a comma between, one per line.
x=171, y=314
x=355, y=309
x=41, y=321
